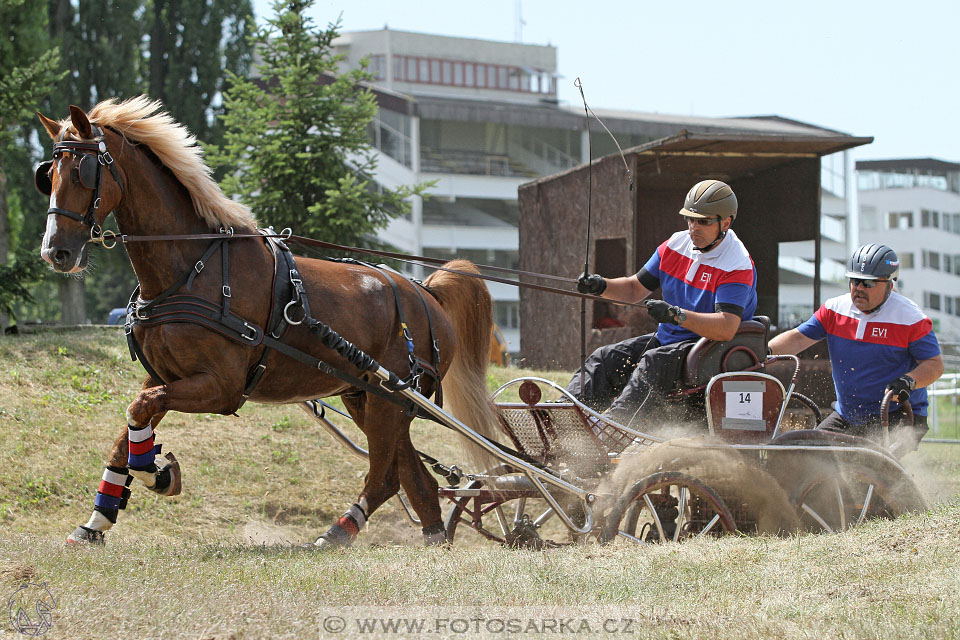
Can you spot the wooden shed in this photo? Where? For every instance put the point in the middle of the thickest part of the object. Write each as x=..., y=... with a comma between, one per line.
x=777, y=182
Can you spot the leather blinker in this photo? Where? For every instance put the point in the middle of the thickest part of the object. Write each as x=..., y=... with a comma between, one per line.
x=42, y=178
x=88, y=169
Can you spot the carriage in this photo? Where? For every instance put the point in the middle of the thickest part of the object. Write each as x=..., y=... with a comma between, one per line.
x=743, y=470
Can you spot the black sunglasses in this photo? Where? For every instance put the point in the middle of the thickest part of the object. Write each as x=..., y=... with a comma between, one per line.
x=867, y=284
x=701, y=221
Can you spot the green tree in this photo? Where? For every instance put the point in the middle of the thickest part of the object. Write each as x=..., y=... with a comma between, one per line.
x=193, y=43
x=296, y=145
x=28, y=69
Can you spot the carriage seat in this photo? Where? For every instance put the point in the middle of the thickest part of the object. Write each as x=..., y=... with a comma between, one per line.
x=708, y=357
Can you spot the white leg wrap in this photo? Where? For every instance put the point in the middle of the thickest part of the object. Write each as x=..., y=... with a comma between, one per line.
x=98, y=522
x=148, y=478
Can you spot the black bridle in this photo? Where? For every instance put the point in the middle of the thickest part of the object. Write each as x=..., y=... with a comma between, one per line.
x=90, y=173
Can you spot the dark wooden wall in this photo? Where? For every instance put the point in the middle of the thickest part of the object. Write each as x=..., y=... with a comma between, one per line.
x=778, y=204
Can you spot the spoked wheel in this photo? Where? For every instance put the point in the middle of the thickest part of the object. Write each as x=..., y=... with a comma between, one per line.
x=506, y=517
x=848, y=497
x=667, y=506
x=835, y=490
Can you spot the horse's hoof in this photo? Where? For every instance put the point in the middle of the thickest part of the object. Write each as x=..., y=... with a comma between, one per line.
x=83, y=535
x=335, y=538
x=173, y=468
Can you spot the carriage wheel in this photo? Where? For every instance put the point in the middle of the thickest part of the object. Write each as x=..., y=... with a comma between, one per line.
x=849, y=496
x=667, y=506
x=505, y=522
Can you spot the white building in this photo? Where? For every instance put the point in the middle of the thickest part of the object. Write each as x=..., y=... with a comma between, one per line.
x=913, y=205
x=479, y=118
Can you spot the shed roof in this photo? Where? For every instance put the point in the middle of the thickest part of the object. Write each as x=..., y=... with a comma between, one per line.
x=690, y=154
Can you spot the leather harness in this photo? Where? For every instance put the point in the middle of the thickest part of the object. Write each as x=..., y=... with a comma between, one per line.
x=289, y=306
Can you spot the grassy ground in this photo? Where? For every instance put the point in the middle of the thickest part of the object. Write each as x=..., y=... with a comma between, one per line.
x=220, y=561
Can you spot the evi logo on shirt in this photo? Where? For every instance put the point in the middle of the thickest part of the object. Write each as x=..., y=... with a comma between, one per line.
x=878, y=332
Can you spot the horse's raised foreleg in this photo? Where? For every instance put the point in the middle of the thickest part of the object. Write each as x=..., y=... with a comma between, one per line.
x=199, y=393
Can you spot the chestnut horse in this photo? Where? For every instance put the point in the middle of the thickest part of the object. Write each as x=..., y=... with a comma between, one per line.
x=134, y=160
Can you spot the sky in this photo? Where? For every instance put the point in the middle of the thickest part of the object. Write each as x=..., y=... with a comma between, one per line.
x=881, y=68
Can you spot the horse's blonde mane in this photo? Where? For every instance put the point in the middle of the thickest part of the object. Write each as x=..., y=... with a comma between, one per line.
x=141, y=120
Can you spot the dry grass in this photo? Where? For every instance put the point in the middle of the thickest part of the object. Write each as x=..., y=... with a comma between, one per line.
x=220, y=561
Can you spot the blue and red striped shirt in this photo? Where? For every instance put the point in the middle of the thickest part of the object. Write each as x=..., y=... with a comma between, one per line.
x=703, y=282
x=870, y=350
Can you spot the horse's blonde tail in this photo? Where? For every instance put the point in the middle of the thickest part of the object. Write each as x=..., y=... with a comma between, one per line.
x=467, y=303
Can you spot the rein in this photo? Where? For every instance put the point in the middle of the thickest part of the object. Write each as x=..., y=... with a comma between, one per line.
x=109, y=240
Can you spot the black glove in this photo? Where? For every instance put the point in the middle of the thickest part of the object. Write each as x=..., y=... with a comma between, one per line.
x=902, y=387
x=591, y=283
x=662, y=311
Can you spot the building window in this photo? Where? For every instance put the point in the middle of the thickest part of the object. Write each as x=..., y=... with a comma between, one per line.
x=378, y=67
x=468, y=75
x=447, y=72
x=458, y=73
x=947, y=263
x=956, y=306
x=906, y=261
x=502, y=82
x=929, y=218
x=949, y=302
x=411, y=75
x=931, y=260
x=900, y=220
x=931, y=300
x=507, y=314
x=435, y=71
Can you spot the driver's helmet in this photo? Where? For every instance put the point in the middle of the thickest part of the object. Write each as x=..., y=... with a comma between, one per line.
x=710, y=199
x=874, y=262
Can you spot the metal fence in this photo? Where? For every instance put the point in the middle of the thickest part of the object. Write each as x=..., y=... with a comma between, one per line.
x=943, y=414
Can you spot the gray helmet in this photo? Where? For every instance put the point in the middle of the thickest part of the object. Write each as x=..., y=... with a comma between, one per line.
x=710, y=199
x=874, y=262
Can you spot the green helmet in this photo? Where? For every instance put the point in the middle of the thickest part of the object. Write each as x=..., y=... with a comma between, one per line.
x=710, y=199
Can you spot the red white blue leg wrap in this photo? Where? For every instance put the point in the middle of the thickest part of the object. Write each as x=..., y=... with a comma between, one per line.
x=141, y=448
x=113, y=492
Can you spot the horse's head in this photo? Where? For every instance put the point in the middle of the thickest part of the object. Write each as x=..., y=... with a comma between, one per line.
x=84, y=186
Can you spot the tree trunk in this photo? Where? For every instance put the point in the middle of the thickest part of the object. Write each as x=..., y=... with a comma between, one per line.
x=73, y=308
x=4, y=234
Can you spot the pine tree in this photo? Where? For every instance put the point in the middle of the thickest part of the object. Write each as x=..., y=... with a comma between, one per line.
x=296, y=144
x=28, y=68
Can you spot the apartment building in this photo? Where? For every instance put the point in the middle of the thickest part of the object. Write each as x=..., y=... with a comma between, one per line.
x=913, y=205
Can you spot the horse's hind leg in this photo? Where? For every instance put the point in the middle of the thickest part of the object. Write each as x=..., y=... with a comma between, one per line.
x=423, y=491
x=384, y=424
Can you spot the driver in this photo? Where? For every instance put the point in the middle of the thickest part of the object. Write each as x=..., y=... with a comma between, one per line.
x=709, y=284
x=878, y=340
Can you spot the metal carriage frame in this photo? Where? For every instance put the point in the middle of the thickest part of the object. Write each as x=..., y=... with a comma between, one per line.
x=563, y=451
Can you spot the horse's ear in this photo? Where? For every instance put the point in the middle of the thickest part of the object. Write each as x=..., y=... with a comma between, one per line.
x=80, y=122
x=52, y=126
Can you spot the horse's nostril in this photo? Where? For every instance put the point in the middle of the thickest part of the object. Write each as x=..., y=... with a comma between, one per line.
x=62, y=257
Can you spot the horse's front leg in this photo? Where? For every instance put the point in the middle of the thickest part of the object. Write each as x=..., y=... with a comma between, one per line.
x=133, y=453
x=203, y=392
x=114, y=488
